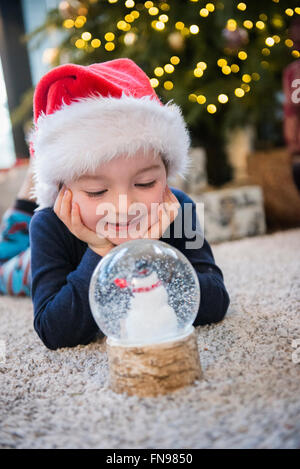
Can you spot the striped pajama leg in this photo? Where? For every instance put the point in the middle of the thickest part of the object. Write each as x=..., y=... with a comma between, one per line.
x=15, y=275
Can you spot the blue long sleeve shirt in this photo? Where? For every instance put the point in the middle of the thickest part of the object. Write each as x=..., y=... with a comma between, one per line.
x=61, y=270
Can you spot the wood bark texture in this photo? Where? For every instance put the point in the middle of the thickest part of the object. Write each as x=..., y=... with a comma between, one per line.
x=150, y=370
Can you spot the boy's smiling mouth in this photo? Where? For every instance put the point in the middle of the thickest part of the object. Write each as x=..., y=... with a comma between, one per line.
x=124, y=226
x=119, y=226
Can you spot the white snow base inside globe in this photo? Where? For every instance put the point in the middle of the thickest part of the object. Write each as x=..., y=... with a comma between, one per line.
x=137, y=342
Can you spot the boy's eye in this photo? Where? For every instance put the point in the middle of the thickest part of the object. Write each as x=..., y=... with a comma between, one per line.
x=95, y=194
x=148, y=184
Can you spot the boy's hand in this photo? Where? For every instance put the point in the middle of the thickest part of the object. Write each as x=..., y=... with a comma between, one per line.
x=69, y=214
x=167, y=212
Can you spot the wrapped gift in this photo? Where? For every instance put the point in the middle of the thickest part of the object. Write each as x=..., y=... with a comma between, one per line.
x=231, y=213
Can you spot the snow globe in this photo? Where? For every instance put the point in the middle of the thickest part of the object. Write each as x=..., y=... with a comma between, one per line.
x=144, y=296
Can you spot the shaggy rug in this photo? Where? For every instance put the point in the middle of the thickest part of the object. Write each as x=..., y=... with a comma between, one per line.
x=249, y=397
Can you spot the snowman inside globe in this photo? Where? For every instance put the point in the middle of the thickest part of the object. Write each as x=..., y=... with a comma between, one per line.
x=144, y=296
x=149, y=315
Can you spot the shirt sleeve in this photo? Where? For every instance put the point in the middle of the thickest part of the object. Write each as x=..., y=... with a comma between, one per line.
x=62, y=316
x=214, y=298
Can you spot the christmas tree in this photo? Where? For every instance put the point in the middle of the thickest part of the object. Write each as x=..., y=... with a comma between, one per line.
x=221, y=61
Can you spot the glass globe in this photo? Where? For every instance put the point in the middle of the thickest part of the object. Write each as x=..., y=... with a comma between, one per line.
x=144, y=292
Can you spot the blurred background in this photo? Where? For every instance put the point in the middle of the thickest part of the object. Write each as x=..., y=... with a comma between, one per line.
x=233, y=67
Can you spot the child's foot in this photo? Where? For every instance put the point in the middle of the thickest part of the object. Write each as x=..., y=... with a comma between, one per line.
x=14, y=233
x=15, y=275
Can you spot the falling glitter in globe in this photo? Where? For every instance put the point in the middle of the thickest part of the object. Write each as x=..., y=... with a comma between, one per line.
x=144, y=292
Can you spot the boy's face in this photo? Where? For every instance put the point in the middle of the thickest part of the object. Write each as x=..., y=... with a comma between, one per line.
x=117, y=185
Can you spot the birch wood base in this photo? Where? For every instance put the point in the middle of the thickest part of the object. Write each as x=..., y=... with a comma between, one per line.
x=150, y=370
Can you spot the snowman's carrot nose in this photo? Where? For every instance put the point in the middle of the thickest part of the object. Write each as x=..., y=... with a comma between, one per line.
x=121, y=282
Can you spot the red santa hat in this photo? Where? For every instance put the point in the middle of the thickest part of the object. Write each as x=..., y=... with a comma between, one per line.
x=86, y=115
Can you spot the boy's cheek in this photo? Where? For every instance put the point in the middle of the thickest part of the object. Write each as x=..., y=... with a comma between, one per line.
x=161, y=194
x=90, y=220
x=87, y=213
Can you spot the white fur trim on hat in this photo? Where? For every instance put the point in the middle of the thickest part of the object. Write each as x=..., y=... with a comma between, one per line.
x=90, y=131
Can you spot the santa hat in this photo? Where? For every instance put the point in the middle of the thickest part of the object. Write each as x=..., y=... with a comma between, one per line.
x=87, y=115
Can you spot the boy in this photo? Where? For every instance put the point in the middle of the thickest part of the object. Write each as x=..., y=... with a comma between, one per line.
x=102, y=136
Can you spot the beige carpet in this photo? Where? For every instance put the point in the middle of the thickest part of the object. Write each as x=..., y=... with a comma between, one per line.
x=249, y=397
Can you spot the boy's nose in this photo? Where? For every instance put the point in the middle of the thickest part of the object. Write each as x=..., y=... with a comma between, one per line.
x=123, y=203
